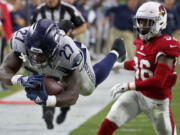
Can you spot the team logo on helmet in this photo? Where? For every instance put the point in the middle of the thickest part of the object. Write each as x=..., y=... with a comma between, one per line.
x=162, y=10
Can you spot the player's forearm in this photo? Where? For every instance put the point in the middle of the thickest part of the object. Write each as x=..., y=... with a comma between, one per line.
x=72, y=89
x=67, y=98
x=6, y=75
x=129, y=65
x=161, y=74
x=80, y=29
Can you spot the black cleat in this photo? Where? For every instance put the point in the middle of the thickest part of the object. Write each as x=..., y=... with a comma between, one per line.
x=61, y=117
x=119, y=47
x=49, y=120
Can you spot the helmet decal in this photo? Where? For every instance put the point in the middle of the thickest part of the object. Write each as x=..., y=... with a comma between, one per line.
x=162, y=10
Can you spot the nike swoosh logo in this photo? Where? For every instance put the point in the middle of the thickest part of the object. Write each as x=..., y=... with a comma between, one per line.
x=172, y=46
x=141, y=53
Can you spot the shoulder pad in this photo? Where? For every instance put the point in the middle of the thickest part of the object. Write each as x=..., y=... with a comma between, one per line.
x=170, y=46
x=18, y=40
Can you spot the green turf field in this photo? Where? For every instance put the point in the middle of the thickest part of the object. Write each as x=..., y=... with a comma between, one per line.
x=138, y=126
x=11, y=90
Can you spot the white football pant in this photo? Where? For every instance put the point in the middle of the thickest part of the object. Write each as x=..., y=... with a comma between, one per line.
x=132, y=103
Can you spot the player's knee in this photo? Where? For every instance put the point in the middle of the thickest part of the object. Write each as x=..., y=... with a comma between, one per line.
x=87, y=89
x=86, y=92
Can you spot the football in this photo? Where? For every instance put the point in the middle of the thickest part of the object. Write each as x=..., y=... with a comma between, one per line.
x=52, y=86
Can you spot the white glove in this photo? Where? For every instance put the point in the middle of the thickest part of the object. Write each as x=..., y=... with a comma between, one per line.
x=119, y=88
x=117, y=66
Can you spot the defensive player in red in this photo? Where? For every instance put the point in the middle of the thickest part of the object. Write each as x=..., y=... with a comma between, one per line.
x=154, y=66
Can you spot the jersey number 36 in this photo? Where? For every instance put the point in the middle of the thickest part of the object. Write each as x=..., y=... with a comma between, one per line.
x=142, y=69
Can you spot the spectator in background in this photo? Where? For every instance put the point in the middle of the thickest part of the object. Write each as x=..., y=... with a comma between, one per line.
x=5, y=32
x=57, y=11
x=1, y=26
x=1, y=30
x=172, y=17
x=177, y=32
x=177, y=11
x=102, y=29
x=33, y=6
x=6, y=21
x=121, y=17
x=70, y=1
x=89, y=37
x=1, y=41
x=9, y=4
x=18, y=15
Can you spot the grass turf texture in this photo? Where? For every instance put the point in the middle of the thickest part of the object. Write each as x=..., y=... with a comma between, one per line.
x=10, y=90
x=138, y=126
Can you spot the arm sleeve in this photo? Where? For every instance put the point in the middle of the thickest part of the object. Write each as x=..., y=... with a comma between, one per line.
x=171, y=48
x=34, y=16
x=129, y=65
x=161, y=74
x=77, y=17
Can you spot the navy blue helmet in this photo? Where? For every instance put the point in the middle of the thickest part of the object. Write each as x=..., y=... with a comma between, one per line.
x=40, y=42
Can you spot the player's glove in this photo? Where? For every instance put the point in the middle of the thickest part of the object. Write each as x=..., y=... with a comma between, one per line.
x=31, y=81
x=117, y=66
x=66, y=25
x=119, y=88
x=39, y=96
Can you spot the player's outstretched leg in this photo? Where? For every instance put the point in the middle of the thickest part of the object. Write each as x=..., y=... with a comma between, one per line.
x=48, y=114
x=62, y=116
x=119, y=47
x=103, y=68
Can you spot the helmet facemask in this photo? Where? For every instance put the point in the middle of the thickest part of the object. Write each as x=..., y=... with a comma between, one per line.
x=37, y=58
x=145, y=27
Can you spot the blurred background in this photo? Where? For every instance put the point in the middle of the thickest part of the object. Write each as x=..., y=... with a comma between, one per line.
x=105, y=19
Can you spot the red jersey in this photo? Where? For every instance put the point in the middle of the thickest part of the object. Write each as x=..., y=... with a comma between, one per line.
x=145, y=62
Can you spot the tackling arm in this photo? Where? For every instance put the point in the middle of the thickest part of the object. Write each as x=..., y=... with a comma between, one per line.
x=82, y=28
x=128, y=65
x=9, y=67
x=161, y=74
x=72, y=88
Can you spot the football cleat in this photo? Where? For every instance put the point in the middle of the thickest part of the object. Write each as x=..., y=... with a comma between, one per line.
x=49, y=119
x=118, y=46
x=61, y=117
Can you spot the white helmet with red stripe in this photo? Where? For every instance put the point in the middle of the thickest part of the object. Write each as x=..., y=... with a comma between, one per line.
x=150, y=20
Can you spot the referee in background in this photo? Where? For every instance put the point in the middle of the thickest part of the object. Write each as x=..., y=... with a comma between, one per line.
x=58, y=11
